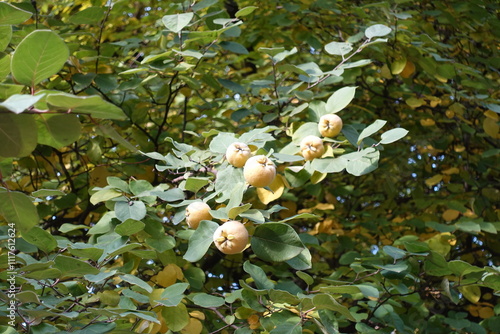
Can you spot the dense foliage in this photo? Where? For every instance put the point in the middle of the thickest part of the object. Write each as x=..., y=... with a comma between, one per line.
x=114, y=116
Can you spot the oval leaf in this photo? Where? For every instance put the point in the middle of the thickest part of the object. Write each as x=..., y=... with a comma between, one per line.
x=377, y=30
x=10, y=14
x=340, y=99
x=276, y=242
x=393, y=135
x=177, y=22
x=58, y=130
x=18, y=135
x=39, y=55
x=91, y=105
x=338, y=48
x=200, y=241
x=18, y=209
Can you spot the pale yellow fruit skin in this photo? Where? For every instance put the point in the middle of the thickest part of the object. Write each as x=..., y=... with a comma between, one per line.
x=237, y=154
x=312, y=147
x=196, y=212
x=231, y=237
x=330, y=125
x=259, y=171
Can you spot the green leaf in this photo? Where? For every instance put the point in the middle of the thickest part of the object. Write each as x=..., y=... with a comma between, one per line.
x=469, y=227
x=177, y=22
x=371, y=129
x=129, y=227
x=73, y=267
x=18, y=103
x=10, y=14
x=461, y=268
x=200, y=241
x=305, y=277
x=436, y=265
x=329, y=165
x=394, y=252
x=377, y=30
x=4, y=66
x=303, y=261
x=135, y=210
x=40, y=55
x=338, y=48
x=339, y=100
x=276, y=242
x=393, y=135
x=324, y=301
x=94, y=106
x=283, y=54
x=173, y=294
x=18, y=135
x=41, y=239
x=176, y=317
x=306, y=129
x=194, y=184
x=234, y=47
x=85, y=251
x=362, y=162
x=206, y=300
x=137, y=281
x=258, y=275
x=58, y=130
x=18, y=209
x=103, y=195
x=48, y=192
x=245, y=11
x=90, y=15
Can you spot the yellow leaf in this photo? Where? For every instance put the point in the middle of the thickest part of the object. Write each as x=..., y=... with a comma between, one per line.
x=450, y=215
x=398, y=65
x=486, y=312
x=434, y=101
x=324, y=206
x=471, y=292
x=277, y=187
x=491, y=114
x=194, y=327
x=491, y=128
x=385, y=72
x=169, y=275
x=440, y=243
x=408, y=70
x=452, y=170
x=434, y=180
x=292, y=209
x=414, y=102
x=109, y=297
x=197, y=314
x=317, y=177
x=427, y=122
x=98, y=177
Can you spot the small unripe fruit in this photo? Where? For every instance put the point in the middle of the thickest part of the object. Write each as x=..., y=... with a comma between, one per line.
x=237, y=154
x=330, y=125
x=231, y=237
x=312, y=147
x=259, y=171
x=196, y=212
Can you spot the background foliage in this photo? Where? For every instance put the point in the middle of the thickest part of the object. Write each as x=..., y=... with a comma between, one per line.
x=115, y=116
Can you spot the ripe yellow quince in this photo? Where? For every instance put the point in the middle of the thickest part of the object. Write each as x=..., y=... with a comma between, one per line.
x=196, y=212
x=237, y=154
x=312, y=147
x=259, y=171
x=330, y=125
x=231, y=237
